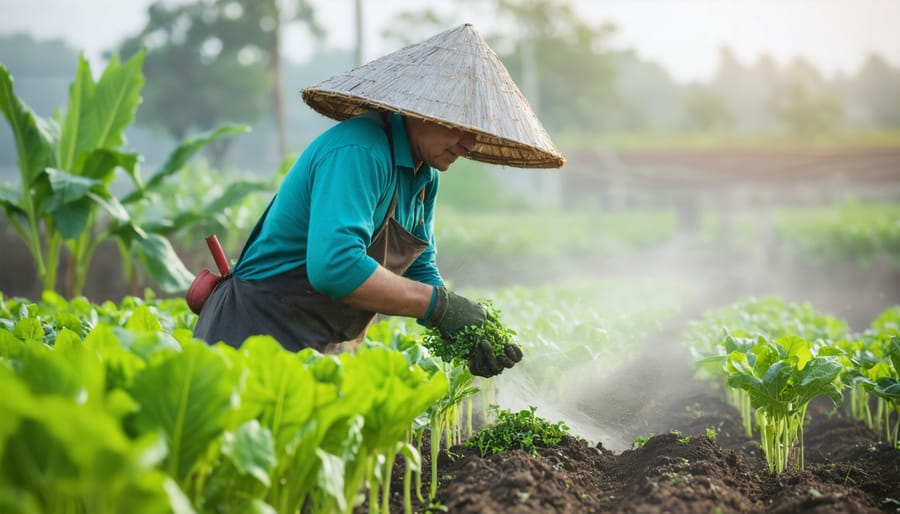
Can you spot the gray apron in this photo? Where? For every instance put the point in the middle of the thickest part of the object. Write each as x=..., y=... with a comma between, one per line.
x=287, y=307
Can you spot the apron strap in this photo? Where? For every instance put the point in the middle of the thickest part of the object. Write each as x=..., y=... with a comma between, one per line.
x=386, y=126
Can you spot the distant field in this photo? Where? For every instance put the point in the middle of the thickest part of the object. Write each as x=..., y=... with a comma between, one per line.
x=724, y=167
x=867, y=139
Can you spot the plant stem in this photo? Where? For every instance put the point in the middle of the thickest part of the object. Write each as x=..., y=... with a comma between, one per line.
x=373, y=485
x=407, y=486
x=436, y=427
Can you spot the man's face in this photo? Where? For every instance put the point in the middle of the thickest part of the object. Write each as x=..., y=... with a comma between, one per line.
x=437, y=145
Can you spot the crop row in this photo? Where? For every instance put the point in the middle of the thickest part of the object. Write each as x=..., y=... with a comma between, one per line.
x=773, y=358
x=123, y=390
x=105, y=410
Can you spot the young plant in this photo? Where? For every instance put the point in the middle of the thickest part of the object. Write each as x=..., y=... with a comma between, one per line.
x=887, y=389
x=518, y=430
x=781, y=377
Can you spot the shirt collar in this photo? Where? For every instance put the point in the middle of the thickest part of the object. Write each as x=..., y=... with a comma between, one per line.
x=402, y=152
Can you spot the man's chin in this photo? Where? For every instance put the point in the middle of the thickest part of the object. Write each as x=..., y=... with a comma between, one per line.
x=442, y=166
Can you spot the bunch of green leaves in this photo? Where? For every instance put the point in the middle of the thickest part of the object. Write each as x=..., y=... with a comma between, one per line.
x=518, y=430
x=460, y=348
x=781, y=376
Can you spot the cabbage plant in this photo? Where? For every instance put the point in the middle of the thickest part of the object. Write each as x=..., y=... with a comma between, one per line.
x=781, y=377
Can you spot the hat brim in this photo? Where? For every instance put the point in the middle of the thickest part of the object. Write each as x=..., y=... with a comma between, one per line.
x=488, y=147
x=453, y=79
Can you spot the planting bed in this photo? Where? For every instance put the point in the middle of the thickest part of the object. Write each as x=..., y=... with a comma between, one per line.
x=681, y=470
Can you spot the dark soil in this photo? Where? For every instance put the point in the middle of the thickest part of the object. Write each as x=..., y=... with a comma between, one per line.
x=849, y=468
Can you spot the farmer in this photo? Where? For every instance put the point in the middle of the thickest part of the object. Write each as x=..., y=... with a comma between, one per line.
x=350, y=231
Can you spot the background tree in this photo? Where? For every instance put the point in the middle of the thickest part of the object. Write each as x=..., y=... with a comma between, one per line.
x=558, y=60
x=803, y=105
x=200, y=69
x=211, y=62
x=409, y=27
x=273, y=16
x=872, y=96
x=706, y=111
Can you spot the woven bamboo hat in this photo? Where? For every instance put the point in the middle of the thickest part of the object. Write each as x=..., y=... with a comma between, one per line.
x=454, y=79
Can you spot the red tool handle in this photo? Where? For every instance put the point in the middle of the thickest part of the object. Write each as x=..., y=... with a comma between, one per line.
x=218, y=254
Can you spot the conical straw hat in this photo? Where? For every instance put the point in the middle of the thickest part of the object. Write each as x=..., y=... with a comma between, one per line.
x=454, y=79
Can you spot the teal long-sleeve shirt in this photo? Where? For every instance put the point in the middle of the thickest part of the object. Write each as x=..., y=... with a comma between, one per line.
x=333, y=200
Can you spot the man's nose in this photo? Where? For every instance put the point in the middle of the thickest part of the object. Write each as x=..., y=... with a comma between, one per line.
x=467, y=141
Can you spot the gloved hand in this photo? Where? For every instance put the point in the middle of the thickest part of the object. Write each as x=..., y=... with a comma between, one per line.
x=483, y=362
x=453, y=313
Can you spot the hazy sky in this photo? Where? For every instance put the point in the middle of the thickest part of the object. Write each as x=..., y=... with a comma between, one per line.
x=682, y=35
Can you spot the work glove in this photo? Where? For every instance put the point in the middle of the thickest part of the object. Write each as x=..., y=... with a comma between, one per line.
x=451, y=314
x=483, y=362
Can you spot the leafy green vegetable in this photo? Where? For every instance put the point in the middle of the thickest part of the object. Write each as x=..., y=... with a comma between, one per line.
x=518, y=430
x=459, y=349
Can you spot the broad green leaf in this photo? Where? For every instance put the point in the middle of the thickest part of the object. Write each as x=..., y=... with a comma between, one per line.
x=98, y=113
x=85, y=363
x=765, y=354
x=29, y=329
x=142, y=319
x=889, y=389
x=11, y=347
x=752, y=385
x=252, y=450
x=330, y=477
x=234, y=193
x=67, y=188
x=101, y=164
x=163, y=264
x=34, y=141
x=71, y=219
x=775, y=381
x=11, y=200
x=737, y=363
x=188, y=397
x=879, y=370
x=181, y=155
x=279, y=387
x=47, y=372
x=121, y=365
x=111, y=205
x=796, y=347
x=79, y=459
x=817, y=378
x=151, y=347
x=402, y=392
x=80, y=93
x=345, y=439
x=16, y=402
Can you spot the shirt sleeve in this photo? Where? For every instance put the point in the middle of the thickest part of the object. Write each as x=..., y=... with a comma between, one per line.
x=348, y=185
x=424, y=269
